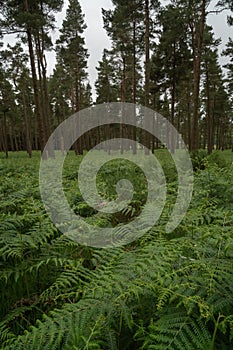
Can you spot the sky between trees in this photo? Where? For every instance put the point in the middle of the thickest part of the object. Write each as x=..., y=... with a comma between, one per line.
x=97, y=39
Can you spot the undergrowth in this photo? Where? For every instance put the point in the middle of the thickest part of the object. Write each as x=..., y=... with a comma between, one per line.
x=163, y=291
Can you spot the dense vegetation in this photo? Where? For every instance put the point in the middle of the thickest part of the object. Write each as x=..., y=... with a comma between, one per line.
x=164, y=291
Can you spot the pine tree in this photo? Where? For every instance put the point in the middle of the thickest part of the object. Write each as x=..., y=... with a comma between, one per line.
x=129, y=26
x=123, y=26
x=228, y=52
x=212, y=80
x=59, y=94
x=195, y=14
x=170, y=61
x=18, y=73
x=71, y=50
x=32, y=20
x=226, y=5
x=72, y=54
x=229, y=80
x=107, y=83
x=7, y=107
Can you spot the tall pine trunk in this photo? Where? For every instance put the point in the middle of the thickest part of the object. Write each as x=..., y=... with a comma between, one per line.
x=4, y=134
x=35, y=85
x=147, y=137
x=45, y=107
x=123, y=93
x=210, y=121
x=133, y=128
x=27, y=131
x=197, y=43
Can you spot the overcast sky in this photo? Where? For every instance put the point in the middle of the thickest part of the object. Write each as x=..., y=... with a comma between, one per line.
x=97, y=40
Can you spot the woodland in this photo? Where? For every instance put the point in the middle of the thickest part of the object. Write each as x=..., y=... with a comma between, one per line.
x=173, y=69
x=164, y=290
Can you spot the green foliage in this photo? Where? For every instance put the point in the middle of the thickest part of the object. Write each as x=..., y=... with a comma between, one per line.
x=84, y=209
x=161, y=292
x=220, y=159
x=198, y=159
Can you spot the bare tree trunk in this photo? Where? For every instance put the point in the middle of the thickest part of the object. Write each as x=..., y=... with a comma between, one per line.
x=197, y=54
x=17, y=146
x=80, y=140
x=45, y=108
x=189, y=132
x=147, y=66
x=28, y=136
x=73, y=111
x=4, y=132
x=11, y=135
x=35, y=85
x=173, y=88
x=210, y=121
x=147, y=70
x=134, y=89
x=123, y=92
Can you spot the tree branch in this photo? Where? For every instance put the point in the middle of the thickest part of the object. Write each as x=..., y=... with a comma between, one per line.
x=216, y=12
x=12, y=32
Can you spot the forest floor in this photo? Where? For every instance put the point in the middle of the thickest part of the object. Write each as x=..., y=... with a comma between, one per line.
x=161, y=291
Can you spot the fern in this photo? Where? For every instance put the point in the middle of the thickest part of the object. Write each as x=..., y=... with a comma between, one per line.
x=177, y=330
x=163, y=291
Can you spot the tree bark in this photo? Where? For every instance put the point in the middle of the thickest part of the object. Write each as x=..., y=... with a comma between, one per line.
x=134, y=89
x=147, y=136
x=28, y=137
x=123, y=93
x=4, y=132
x=197, y=43
x=35, y=86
